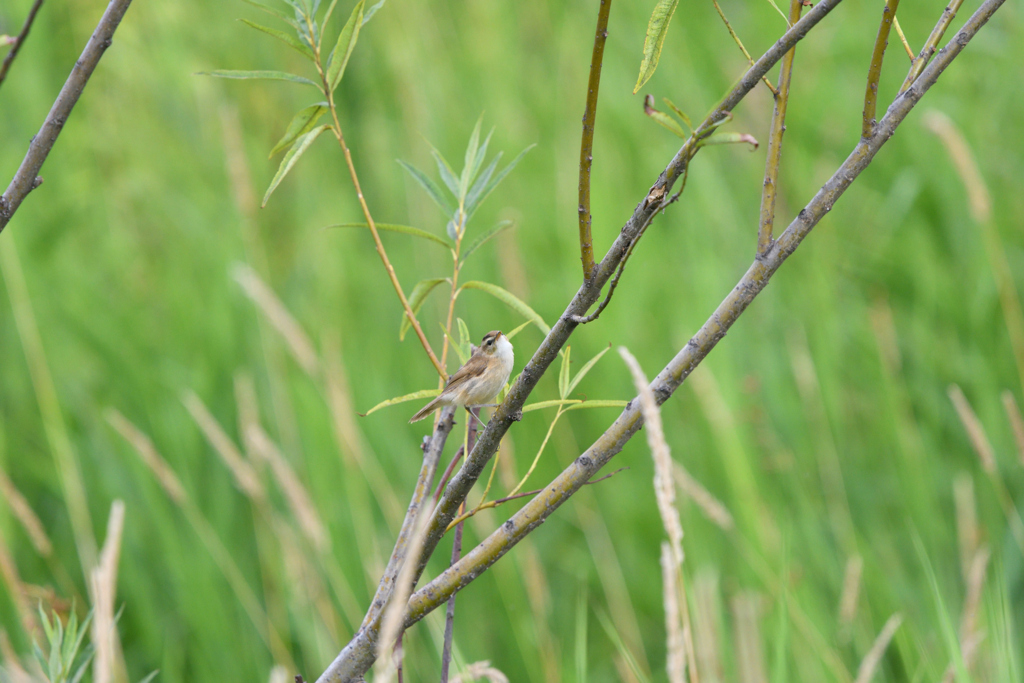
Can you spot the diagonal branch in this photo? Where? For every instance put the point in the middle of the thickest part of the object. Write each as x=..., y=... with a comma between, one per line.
x=5, y=67
x=690, y=356
x=875, y=70
x=587, y=139
x=27, y=178
x=774, y=156
x=930, y=45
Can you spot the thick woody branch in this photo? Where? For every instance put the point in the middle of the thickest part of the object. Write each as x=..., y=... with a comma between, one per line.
x=358, y=654
x=587, y=139
x=5, y=67
x=774, y=157
x=27, y=178
x=930, y=45
x=875, y=70
x=672, y=376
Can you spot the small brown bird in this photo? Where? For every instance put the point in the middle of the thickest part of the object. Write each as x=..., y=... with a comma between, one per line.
x=479, y=380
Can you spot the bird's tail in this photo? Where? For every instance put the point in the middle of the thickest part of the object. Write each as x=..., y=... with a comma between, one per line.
x=426, y=410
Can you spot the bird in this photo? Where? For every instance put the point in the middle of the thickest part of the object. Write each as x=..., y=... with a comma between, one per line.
x=478, y=381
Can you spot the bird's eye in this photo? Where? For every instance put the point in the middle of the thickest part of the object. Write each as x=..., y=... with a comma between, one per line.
x=490, y=341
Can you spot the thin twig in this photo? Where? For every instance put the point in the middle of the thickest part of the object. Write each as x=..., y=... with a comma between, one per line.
x=449, y=618
x=672, y=376
x=739, y=42
x=336, y=128
x=903, y=38
x=463, y=516
x=875, y=70
x=778, y=128
x=587, y=139
x=930, y=45
x=27, y=178
x=5, y=67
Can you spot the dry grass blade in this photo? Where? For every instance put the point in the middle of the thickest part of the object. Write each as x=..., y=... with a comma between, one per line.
x=968, y=532
x=295, y=493
x=851, y=590
x=712, y=508
x=676, y=653
x=165, y=476
x=970, y=635
x=478, y=670
x=245, y=476
x=391, y=620
x=24, y=513
x=11, y=667
x=266, y=300
x=977, y=193
x=1016, y=422
x=870, y=662
x=707, y=618
x=975, y=431
x=15, y=589
x=107, y=664
x=746, y=609
x=680, y=653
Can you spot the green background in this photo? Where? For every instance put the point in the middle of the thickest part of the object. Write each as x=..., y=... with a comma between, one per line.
x=822, y=421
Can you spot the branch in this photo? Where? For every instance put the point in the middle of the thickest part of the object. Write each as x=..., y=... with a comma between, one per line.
x=917, y=66
x=875, y=70
x=5, y=67
x=358, y=654
x=27, y=178
x=774, y=156
x=587, y=140
x=736, y=39
x=672, y=376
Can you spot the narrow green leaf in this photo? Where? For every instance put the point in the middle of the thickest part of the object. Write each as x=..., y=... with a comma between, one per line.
x=495, y=180
x=328, y=13
x=598, y=403
x=433, y=191
x=679, y=112
x=463, y=356
x=657, y=29
x=274, y=12
x=540, y=405
x=729, y=139
x=624, y=651
x=481, y=182
x=465, y=341
x=419, y=294
x=301, y=124
x=517, y=330
x=563, y=374
x=425, y=393
x=663, y=119
x=287, y=38
x=343, y=48
x=481, y=154
x=447, y=174
x=406, y=229
x=586, y=368
x=581, y=637
x=470, y=158
x=263, y=75
x=370, y=12
x=302, y=143
x=482, y=239
x=510, y=300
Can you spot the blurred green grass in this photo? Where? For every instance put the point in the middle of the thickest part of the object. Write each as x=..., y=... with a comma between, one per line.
x=803, y=422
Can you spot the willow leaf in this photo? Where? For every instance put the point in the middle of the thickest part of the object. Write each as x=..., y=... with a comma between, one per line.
x=343, y=48
x=585, y=369
x=657, y=29
x=416, y=299
x=261, y=75
x=287, y=38
x=302, y=143
x=540, y=405
x=405, y=229
x=425, y=393
x=563, y=374
x=433, y=191
x=510, y=300
x=598, y=403
x=301, y=123
x=482, y=239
